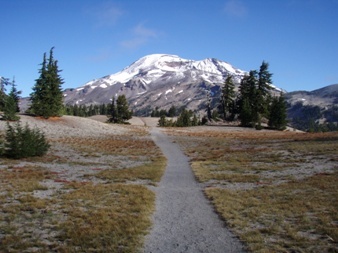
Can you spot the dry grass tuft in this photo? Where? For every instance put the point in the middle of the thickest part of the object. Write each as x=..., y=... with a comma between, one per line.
x=151, y=172
x=105, y=218
x=88, y=194
x=23, y=179
x=276, y=190
x=296, y=216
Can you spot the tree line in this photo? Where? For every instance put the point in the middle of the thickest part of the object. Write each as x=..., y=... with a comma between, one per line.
x=251, y=105
x=185, y=119
x=254, y=101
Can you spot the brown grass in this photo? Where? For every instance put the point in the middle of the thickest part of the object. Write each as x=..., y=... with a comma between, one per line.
x=23, y=179
x=105, y=218
x=293, y=217
x=151, y=172
x=276, y=190
x=86, y=195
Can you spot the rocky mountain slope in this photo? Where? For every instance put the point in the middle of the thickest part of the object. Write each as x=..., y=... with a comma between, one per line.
x=158, y=80
x=307, y=109
x=162, y=80
x=323, y=97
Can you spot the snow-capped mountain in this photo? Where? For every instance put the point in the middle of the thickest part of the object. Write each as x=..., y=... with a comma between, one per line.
x=158, y=80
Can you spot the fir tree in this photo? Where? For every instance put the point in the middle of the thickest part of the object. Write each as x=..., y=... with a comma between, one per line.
x=10, y=109
x=39, y=90
x=194, y=121
x=209, y=115
x=123, y=112
x=46, y=97
x=3, y=83
x=184, y=119
x=24, y=142
x=162, y=122
x=248, y=112
x=172, y=111
x=10, y=102
x=120, y=112
x=15, y=94
x=263, y=91
x=54, y=82
x=228, y=97
x=277, y=118
x=113, y=113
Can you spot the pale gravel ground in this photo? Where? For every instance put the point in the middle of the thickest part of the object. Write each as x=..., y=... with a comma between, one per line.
x=178, y=226
x=184, y=221
x=69, y=126
x=74, y=165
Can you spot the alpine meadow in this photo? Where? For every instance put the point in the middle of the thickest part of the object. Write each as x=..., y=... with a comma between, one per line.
x=167, y=155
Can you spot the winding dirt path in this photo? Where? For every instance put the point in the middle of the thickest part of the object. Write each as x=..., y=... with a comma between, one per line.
x=184, y=221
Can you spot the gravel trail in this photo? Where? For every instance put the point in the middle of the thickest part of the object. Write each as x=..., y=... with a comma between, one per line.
x=184, y=221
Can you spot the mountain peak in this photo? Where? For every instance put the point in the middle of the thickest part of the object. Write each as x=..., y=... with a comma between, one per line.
x=159, y=79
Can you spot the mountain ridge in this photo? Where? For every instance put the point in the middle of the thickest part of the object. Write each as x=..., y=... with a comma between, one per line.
x=162, y=80
x=159, y=79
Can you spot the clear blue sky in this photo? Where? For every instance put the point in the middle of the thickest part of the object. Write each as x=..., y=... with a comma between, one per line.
x=94, y=38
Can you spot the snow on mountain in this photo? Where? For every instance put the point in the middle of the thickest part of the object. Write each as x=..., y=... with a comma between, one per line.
x=158, y=80
x=156, y=65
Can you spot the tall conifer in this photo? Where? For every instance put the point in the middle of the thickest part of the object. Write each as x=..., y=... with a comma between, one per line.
x=278, y=115
x=228, y=97
x=120, y=112
x=263, y=91
x=46, y=97
x=247, y=101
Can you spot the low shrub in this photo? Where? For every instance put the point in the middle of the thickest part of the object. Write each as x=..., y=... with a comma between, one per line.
x=23, y=142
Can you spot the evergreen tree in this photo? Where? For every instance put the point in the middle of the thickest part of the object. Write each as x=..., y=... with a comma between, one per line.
x=120, y=112
x=10, y=109
x=123, y=109
x=215, y=115
x=11, y=103
x=263, y=91
x=103, y=109
x=15, y=94
x=255, y=96
x=24, y=142
x=3, y=83
x=278, y=114
x=47, y=95
x=209, y=115
x=184, y=119
x=172, y=111
x=40, y=90
x=248, y=112
x=228, y=98
x=113, y=112
x=194, y=121
x=162, y=122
